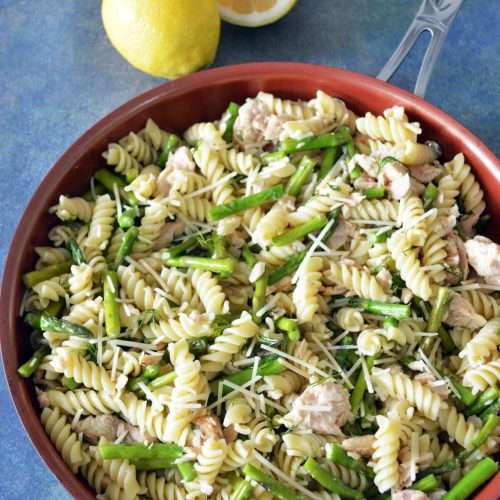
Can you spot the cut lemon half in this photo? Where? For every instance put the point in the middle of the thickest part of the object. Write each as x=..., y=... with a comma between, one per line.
x=254, y=13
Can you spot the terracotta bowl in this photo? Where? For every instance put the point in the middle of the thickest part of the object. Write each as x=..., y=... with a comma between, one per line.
x=174, y=106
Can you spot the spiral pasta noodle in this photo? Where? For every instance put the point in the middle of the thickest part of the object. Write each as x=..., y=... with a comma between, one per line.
x=70, y=209
x=349, y=319
x=88, y=402
x=285, y=107
x=484, y=376
x=307, y=288
x=398, y=385
x=154, y=135
x=330, y=107
x=66, y=441
x=470, y=191
x=409, y=266
x=383, y=210
x=411, y=211
x=360, y=281
x=483, y=345
x=385, y=455
x=73, y=365
x=209, y=291
x=392, y=127
x=189, y=387
x=138, y=148
x=158, y=487
x=484, y=304
x=101, y=225
x=227, y=344
x=123, y=162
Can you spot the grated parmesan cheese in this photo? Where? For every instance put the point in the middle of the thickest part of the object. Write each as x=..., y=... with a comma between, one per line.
x=76, y=418
x=117, y=200
x=312, y=249
x=294, y=359
x=367, y=375
x=205, y=189
x=279, y=473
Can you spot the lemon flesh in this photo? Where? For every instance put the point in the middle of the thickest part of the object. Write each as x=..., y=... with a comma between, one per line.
x=165, y=38
x=254, y=13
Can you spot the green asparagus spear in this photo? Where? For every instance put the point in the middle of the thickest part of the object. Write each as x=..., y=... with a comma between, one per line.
x=466, y=395
x=397, y=311
x=300, y=176
x=439, y=309
x=34, y=277
x=186, y=470
x=242, y=491
x=430, y=195
x=76, y=252
x=341, y=136
x=169, y=146
x=360, y=386
x=484, y=399
x=477, y=476
x=129, y=238
x=290, y=266
x=374, y=192
x=248, y=256
x=271, y=157
x=379, y=236
x=232, y=111
x=108, y=180
x=269, y=483
x=259, y=296
x=70, y=383
x=355, y=173
x=427, y=483
x=350, y=149
x=214, y=265
x=289, y=326
x=328, y=161
x=299, y=232
x=98, y=190
x=162, y=381
x=151, y=372
x=270, y=365
x=337, y=454
x=111, y=310
x=127, y=218
x=245, y=202
x=187, y=245
x=29, y=367
x=53, y=324
x=330, y=482
x=33, y=319
x=492, y=409
x=144, y=457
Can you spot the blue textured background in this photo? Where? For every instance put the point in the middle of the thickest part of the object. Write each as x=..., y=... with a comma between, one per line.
x=59, y=74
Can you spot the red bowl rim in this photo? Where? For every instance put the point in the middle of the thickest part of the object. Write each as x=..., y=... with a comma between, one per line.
x=247, y=72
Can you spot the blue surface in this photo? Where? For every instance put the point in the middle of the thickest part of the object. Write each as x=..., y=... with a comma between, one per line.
x=59, y=74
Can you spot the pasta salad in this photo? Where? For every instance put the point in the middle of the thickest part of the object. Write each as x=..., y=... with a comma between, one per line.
x=289, y=302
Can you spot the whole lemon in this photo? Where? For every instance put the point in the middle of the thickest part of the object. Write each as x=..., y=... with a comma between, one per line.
x=166, y=38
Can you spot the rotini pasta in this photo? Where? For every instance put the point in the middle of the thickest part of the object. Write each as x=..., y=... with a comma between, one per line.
x=172, y=318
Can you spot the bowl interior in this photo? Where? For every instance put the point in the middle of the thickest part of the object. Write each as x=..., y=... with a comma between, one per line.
x=175, y=106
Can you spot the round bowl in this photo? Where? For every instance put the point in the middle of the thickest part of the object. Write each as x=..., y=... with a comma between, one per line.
x=174, y=106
